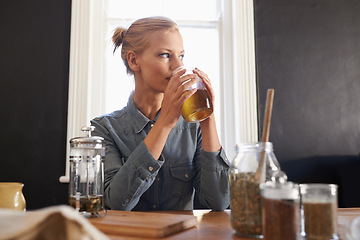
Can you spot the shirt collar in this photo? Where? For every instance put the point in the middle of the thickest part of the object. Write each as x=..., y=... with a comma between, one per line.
x=139, y=120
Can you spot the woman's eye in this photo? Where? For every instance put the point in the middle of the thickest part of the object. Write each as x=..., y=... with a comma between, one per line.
x=181, y=57
x=165, y=55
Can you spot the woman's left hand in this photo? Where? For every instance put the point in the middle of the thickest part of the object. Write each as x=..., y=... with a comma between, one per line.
x=210, y=140
x=207, y=82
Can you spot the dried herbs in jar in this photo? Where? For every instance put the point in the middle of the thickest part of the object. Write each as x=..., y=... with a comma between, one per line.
x=245, y=204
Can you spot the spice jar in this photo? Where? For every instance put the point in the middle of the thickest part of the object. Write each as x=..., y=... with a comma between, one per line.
x=319, y=209
x=245, y=204
x=86, y=186
x=281, y=218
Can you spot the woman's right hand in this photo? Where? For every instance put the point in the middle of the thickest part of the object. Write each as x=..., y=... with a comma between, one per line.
x=176, y=93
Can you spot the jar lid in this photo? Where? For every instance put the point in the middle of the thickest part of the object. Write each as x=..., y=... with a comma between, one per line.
x=88, y=140
x=254, y=146
x=279, y=187
x=273, y=190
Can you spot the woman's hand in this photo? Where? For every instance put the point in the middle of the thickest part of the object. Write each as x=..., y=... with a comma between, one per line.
x=207, y=82
x=175, y=95
x=210, y=139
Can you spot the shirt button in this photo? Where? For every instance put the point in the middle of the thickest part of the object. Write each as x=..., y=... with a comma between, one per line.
x=125, y=202
x=186, y=175
x=151, y=168
x=152, y=125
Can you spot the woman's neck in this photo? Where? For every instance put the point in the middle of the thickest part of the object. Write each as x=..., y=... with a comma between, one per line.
x=148, y=104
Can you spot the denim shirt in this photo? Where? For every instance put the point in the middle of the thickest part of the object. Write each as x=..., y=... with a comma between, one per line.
x=134, y=180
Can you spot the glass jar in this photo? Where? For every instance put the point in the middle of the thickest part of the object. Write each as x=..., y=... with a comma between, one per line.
x=281, y=218
x=199, y=106
x=319, y=208
x=86, y=186
x=245, y=203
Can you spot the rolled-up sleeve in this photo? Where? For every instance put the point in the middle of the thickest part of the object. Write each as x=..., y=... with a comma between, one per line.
x=132, y=179
x=126, y=177
x=213, y=180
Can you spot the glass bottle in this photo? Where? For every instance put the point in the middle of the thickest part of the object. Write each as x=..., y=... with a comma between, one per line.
x=245, y=203
x=86, y=186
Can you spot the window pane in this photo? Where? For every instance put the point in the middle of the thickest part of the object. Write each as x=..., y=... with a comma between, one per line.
x=118, y=83
x=202, y=51
x=134, y=8
x=204, y=10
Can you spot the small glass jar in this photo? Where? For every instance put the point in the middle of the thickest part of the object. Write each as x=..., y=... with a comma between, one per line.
x=281, y=218
x=245, y=204
x=86, y=186
x=319, y=209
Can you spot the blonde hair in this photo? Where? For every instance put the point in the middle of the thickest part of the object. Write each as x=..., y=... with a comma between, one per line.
x=136, y=37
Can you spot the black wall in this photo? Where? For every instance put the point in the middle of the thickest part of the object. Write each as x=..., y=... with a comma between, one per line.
x=34, y=73
x=309, y=52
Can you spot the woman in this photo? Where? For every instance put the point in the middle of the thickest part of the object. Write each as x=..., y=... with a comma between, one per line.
x=154, y=158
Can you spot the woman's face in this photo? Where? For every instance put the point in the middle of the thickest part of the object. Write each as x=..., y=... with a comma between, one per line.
x=164, y=54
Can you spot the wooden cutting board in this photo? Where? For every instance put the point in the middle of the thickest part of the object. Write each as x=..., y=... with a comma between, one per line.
x=143, y=224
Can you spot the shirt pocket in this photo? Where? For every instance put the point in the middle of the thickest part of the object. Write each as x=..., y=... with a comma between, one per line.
x=182, y=176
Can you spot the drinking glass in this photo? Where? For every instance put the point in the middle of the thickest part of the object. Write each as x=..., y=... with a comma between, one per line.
x=199, y=106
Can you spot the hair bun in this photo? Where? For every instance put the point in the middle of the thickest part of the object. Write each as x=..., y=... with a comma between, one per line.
x=118, y=37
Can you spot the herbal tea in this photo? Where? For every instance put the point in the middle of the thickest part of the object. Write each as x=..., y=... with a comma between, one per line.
x=197, y=107
x=88, y=204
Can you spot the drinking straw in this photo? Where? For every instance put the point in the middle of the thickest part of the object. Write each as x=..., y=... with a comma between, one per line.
x=260, y=172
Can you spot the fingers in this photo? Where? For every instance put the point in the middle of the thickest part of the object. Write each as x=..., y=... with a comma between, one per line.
x=207, y=82
x=179, y=83
x=203, y=76
x=177, y=91
x=186, y=95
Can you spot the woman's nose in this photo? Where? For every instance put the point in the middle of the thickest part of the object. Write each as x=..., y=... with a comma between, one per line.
x=176, y=64
x=176, y=67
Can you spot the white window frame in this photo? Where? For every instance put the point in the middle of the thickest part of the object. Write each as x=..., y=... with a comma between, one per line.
x=239, y=120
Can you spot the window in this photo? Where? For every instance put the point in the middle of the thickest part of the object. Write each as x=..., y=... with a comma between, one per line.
x=218, y=38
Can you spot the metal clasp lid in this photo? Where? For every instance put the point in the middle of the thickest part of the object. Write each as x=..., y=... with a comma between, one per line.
x=88, y=130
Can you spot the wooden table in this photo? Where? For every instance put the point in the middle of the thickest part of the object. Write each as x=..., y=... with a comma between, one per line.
x=216, y=225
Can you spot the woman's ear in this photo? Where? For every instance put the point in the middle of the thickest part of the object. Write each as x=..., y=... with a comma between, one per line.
x=132, y=61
